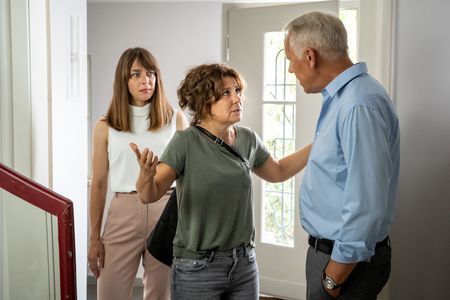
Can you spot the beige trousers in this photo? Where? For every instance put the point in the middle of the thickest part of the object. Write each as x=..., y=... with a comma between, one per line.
x=127, y=227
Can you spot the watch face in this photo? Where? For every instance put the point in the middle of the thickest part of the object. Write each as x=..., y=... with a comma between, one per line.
x=328, y=283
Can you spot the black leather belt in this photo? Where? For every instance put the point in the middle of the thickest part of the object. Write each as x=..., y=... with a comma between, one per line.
x=326, y=246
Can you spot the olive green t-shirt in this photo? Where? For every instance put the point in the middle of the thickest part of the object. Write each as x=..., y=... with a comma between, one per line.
x=214, y=191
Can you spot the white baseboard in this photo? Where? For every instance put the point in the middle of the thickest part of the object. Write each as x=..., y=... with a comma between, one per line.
x=284, y=289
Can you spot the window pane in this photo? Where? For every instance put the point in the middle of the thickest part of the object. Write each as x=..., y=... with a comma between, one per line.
x=350, y=19
x=279, y=84
x=278, y=198
x=278, y=222
x=279, y=136
x=279, y=129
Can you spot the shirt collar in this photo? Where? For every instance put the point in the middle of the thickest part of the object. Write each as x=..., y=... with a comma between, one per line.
x=342, y=79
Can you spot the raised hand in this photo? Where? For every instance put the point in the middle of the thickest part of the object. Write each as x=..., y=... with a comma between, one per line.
x=147, y=161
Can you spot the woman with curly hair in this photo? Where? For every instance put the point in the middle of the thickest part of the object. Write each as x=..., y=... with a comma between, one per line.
x=212, y=161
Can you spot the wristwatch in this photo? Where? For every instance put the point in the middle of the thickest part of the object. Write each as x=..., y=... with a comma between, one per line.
x=329, y=283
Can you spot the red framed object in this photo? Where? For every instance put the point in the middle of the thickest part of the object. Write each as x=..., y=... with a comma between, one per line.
x=57, y=205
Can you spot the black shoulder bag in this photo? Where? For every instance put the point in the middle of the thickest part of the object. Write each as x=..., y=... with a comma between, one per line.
x=160, y=240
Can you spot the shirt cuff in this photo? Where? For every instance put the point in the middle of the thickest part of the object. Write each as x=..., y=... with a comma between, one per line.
x=351, y=252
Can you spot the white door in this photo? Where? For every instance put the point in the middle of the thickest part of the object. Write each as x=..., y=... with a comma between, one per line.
x=255, y=50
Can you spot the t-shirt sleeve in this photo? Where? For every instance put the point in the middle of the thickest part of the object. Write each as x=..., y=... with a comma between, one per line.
x=260, y=152
x=175, y=153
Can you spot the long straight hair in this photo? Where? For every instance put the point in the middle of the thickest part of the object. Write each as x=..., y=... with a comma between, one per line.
x=118, y=115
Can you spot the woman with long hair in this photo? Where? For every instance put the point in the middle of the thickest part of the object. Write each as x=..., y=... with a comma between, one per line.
x=140, y=113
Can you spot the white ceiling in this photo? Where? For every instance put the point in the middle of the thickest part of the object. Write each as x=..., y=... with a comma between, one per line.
x=220, y=1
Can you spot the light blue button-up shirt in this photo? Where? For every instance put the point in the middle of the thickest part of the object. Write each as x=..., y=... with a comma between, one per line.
x=349, y=186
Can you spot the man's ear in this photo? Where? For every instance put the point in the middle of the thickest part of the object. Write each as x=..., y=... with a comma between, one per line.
x=310, y=56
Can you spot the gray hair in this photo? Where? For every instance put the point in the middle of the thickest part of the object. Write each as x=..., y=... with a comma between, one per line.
x=322, y=32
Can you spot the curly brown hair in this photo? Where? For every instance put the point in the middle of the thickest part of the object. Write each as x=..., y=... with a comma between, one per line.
x=202, y=87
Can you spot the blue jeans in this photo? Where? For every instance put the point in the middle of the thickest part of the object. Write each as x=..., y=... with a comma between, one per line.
x=222, y=275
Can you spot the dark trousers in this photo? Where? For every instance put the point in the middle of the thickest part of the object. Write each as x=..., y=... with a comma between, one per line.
x=364, y=283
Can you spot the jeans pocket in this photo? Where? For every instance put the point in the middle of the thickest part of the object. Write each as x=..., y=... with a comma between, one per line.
x=251, y=255
x=188, y=265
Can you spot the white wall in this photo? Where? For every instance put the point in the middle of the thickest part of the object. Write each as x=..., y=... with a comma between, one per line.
x=20, y=23
x=179, y=35
x=69, y=117
x=421, y=232
x=39, y=90
x=6, y=131
x=69, y=121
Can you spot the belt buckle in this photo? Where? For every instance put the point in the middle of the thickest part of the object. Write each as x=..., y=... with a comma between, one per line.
x=316, y=242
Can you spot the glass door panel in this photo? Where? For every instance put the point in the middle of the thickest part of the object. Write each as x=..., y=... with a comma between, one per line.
x=29, y=241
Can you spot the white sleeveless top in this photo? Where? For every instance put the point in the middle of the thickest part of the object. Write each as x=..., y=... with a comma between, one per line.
x=123, y=166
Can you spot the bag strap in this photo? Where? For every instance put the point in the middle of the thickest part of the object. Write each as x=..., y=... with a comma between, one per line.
x=220, y=142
